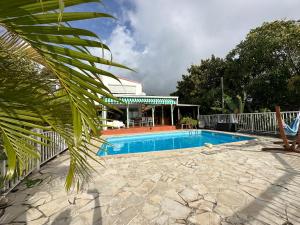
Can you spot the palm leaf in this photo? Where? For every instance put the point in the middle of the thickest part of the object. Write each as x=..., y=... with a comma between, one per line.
x=41, y=31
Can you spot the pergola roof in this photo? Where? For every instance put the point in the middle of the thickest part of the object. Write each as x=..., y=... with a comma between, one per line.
x=150, y=100
x=187, y=105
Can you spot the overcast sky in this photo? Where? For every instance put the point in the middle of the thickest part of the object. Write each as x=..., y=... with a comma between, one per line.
x=160, y=39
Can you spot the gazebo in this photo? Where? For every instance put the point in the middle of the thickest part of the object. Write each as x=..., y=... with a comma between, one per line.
x=152, y=102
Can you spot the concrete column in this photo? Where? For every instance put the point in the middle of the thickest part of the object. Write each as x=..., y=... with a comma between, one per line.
x=162, y=115
x=198, y=114
x=153, y=110
x=127, y=116
x=172, y=119
x=104, y=117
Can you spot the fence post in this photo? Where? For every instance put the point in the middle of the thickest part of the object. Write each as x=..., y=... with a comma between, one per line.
x=275, y=122
x=3, y=174
x=252, y=123
x=39, y=149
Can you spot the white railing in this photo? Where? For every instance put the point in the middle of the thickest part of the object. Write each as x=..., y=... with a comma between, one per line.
x=250, y=122
x=55, y=145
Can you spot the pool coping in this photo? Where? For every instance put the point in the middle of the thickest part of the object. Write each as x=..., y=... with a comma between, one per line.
x=181, y=151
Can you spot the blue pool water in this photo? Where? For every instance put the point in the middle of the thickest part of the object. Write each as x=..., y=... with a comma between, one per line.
x=165, y=141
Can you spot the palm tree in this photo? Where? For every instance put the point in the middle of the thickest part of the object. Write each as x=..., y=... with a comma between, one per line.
x=233, y=104
x=40, y=32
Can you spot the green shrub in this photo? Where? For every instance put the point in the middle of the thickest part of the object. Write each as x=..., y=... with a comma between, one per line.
x=189, y=121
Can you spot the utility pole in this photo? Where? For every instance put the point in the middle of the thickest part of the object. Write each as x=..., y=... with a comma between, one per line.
x=222, y=89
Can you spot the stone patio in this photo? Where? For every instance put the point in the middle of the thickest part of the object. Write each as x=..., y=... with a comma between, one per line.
x=235, y=183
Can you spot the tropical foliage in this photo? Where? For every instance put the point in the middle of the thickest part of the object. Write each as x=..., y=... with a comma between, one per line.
x=202, y=84
x=37, y=37
x=266, y=66
x=189, y=121
x=233, y=104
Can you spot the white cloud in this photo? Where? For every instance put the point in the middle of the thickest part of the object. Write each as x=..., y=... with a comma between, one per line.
x=174, y=34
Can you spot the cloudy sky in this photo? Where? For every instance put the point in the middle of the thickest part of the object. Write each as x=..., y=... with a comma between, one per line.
x=161, y=38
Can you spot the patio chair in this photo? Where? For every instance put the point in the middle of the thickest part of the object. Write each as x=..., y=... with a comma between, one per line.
x=285, y=130
x=131, y=123
x=144, y=121
x=149, y=121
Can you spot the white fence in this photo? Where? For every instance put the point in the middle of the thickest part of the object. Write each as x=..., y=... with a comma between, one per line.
x=250, y=122
x=55, y=145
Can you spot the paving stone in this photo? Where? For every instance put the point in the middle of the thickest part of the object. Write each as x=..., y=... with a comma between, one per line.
x=210, y=198
x=133, y=200
x=207, y=218
x=155, y=199
x=231, y=198
x=42, y=220
x=195, y=204
x=87, y=196
x=18, y=198
x=91, y=216
x=225, y=223
x=138, y=220
x=224, y=211
x=126, y=216
x=30, y=214
x=80, y=203
x=110, y=186
x=54, y=206
x=156, y=177
x=90, y=206
x=189, y=195
x=145, y=187
x=201, y=188
x=172, y=194
x=162, y=220
x=202, y=206
x=134, y=182
x=150, y=211
x=175, y=209
x=39, y=198
x=12, y=213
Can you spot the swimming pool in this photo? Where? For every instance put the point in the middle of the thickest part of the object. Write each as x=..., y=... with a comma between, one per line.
x=165, y=141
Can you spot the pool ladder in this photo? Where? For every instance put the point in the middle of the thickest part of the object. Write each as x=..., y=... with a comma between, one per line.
x=194, y=132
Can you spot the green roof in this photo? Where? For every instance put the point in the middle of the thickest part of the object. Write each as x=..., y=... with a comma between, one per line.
x=144, y=100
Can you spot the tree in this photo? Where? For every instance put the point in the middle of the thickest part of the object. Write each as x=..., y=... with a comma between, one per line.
x=266, y=65
x=202, y=84
x=232, y=104
x=38, y=33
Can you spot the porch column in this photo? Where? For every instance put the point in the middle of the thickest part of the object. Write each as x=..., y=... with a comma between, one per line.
x=172, y=119
x=153, y=109
x=162, y=115
x=127, y=116
x=178, y=116
x=198, y=114
x=104, y=117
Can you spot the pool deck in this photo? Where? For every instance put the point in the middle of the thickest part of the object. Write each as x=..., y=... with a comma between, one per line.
x=228, y=184
x=136, y=130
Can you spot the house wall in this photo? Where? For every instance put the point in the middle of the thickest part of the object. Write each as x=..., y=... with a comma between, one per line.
x=123, y=86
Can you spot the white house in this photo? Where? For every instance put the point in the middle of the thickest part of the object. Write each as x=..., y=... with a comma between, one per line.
x=123, y=86
x=138, y=108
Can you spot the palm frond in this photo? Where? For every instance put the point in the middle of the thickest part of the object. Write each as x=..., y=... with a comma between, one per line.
x=41, y=31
